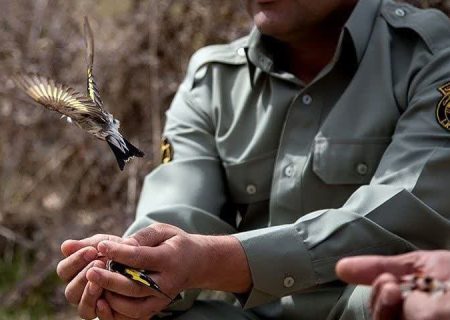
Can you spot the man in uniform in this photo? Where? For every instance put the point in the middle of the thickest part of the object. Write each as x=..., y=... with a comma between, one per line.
x=323, y=134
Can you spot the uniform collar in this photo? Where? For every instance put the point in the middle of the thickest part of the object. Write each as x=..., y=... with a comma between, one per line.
x=360, y=24
x=259, y=52
x=261, y=49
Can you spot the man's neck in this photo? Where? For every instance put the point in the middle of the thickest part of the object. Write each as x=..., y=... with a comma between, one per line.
x=309, y=52
x=307, y=59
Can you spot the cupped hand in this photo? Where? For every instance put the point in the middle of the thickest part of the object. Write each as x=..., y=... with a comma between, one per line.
x=170, y=255
x=385, y=273
x=79, y=257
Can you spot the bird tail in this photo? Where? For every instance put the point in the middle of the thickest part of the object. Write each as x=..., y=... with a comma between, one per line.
x=123, y=150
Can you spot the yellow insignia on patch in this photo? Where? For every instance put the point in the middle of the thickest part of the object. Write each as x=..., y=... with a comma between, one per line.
x=443, y=107
x=166, y=151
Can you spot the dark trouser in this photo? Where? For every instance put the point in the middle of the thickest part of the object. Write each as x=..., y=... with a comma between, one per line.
x=352, y=305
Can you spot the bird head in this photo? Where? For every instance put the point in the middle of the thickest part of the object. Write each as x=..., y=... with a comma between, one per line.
x=114, y=123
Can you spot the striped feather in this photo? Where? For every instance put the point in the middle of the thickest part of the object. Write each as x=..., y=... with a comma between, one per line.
x=92, y=88
x=59, y=98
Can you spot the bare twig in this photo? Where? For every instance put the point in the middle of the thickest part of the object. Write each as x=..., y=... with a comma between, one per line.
x=38, y=16
x=155, y=102
x=156, y=12
x=35, y=277
x=132, y=188
x=51, y=166
x=15, y=237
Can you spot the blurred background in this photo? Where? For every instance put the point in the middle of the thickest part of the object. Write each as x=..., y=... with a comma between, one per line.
x=57, y=182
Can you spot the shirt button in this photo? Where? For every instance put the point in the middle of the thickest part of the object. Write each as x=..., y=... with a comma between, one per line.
x=201, y=73
x=251, y=189
x=307, y=99
x=362, y=169
x=289, y=171
x=288, y=282
x=400, y=12
x=241, y=52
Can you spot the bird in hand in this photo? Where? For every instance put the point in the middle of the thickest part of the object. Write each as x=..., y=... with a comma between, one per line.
x=86, y=111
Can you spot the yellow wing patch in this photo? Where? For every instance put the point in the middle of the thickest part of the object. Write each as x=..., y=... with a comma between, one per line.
x=91, y=87
x=136, y=276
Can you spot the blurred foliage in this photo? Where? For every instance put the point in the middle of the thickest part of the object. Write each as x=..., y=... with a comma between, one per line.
x=58, y=183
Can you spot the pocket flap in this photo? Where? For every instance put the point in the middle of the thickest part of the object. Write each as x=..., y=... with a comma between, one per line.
x=348, y=161
x=251, y=180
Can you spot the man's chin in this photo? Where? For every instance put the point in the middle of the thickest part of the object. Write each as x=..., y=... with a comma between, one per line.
x=270, y=25
x=271, y=31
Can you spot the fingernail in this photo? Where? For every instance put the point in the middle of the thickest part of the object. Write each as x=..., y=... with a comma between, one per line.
x=90, y=255
x=103, y=247
x=94, y=289
x=93, y=275
x=130, y=241
x=66, y=241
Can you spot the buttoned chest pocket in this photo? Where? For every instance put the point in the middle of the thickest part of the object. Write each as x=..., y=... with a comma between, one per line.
x=250, y=181
x=348, y=161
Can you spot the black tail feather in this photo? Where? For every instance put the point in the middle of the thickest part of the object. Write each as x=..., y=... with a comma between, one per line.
x=122, y=155
x=133, y=151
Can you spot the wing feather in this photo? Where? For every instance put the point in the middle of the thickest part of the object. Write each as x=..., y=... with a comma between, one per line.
x=59, y=98
x=92, y=89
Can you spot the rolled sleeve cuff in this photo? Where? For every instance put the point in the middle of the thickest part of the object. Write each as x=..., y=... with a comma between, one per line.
x=279, y=263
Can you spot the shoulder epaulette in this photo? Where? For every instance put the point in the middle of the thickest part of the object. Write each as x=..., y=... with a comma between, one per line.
x=231, y=53
x=431, y=25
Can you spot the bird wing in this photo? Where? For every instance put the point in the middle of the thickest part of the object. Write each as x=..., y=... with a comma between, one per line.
x=59, y=98
x=92, y=89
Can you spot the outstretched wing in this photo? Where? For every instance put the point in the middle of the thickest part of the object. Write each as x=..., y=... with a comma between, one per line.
x=91, y=85
x=59, y=98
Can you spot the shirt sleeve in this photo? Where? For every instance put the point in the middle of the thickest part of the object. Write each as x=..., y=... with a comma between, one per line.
x=403, y=208
x=188, y=191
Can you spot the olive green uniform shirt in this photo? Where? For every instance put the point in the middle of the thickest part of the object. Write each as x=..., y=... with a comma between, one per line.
x=355, y=162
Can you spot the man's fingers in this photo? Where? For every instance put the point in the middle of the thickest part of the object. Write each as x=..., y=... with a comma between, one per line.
x=118, y=283
x=75, y=288
x=69, y=247
x=364, y=269
x=118, y=316
x=103, y=310
x=141, y=257
x=155, y=234
x=88, y=303
x=72, y=265
x=141, y=308
x=389, y=302
x=422, y=305
x=378, y=286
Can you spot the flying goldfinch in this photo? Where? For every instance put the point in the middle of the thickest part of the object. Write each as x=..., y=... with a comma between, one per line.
x=86, y=111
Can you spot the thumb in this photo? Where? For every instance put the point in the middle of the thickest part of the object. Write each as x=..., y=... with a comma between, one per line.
x=131, y=241
x=364, y=269
x=153, y=235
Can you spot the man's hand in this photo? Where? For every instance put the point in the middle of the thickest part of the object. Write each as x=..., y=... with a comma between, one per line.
x=176, y=260
x=80, y=256
x=384, y=274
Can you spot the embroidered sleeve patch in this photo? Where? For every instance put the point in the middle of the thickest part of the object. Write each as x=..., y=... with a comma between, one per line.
x=443, y=107
x=166, y=151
